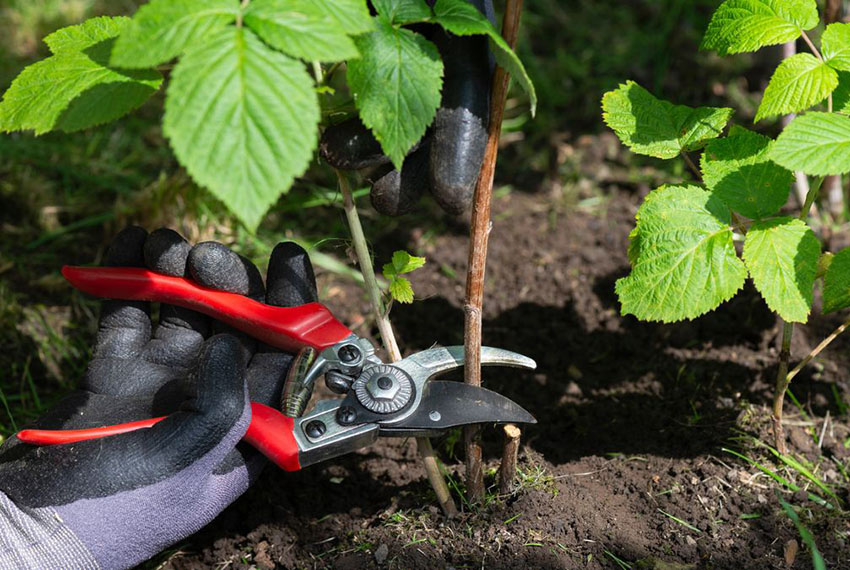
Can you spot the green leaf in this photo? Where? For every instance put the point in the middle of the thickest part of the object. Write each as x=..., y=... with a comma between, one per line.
x=242, y=119
x=403, y=11
x=463, y=19
x=72, y=89
x=836, y=283
x=799, y=82
x=824, y=264
x=402, y=262
x=163, y=29
x=841, y=95
x=782, y=257
x=301, y=29
x=835, y=45
x=396, y=85
x=683, y=259
x=739, y=171
x=351, y=15
x=747, y=25
x=401, y=290
x=653, y=127
x=815, y=143
x=85, y=35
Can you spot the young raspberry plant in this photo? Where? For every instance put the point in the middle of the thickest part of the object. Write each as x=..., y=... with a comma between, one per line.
x=399, y=288
x=246, y=81
x=682, y=252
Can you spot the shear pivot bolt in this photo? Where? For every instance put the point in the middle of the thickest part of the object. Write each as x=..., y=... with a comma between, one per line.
x=348, y=353
x=315, y=429
x=383, y=389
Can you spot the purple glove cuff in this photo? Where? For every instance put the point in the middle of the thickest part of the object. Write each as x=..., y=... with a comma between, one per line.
x=129, y=527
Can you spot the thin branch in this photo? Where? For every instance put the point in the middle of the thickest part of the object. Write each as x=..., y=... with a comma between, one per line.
x=239, y=16
x=782, y=376
x=478, y=236
x=364, y=259
x=781, y=387
x=801, y=183
x=812, y=46
x=692, y=165
x=833, y=185
x=810, y=198
x=818, y=349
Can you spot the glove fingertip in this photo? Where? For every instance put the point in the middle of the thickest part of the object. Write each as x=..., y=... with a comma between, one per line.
x=166, y=251
x=291, y=280
x=127, y=248
x=215, y=265
x=397, y=192
x=350, y=145
x=460, y=141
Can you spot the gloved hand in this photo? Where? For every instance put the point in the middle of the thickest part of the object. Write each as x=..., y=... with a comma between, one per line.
x=448, y=158
x=114, y=502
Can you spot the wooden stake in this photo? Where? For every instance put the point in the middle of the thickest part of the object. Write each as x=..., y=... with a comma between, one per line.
x=479, y=231
x=507, y=470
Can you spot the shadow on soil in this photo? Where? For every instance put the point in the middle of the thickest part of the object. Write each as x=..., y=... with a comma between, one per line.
x=599, y=392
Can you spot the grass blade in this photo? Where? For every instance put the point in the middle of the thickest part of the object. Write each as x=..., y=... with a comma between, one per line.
x=779, y=478
x=8, y=411
x=805, y=533
x=680, y=521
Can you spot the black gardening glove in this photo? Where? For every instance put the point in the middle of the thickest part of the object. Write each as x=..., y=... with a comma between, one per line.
x=448, y=158
x=116, y=501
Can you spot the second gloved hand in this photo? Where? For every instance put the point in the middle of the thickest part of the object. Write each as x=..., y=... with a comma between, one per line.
x=448, y=159
x=114, y=502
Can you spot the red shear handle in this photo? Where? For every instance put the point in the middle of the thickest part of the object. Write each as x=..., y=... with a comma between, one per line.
x=288, y=328
x=269, y=431
x=53, y=437
x=272, y=434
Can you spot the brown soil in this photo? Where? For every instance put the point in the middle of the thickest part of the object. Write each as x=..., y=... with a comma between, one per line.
x=633, y=419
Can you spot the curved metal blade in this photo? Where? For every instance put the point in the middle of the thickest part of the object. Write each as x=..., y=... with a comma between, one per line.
x=450, y=404
x=434, y=361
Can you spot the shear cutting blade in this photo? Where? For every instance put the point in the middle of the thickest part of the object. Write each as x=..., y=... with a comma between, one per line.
x=450, y=404
x=438, y=360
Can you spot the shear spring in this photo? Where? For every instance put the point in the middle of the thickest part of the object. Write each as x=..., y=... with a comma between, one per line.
x=296, y=394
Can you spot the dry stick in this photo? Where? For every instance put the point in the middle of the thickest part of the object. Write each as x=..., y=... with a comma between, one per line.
x=782, y=377
x=507, y=470
x=478, y=234
x=364, y=259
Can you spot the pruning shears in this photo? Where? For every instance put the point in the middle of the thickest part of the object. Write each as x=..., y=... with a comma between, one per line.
x=400, y=399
